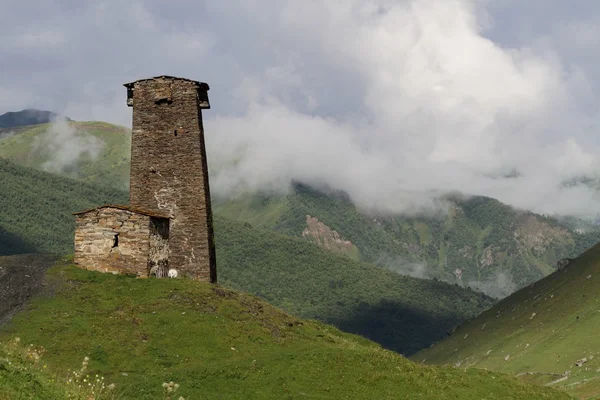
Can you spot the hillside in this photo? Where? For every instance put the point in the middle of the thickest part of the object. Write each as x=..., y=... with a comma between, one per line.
x=481, y=243
x=402, y=313
x=37, y=206
x=542, y=329
x=25, y=117
x=94, y=152
x=218, y=343
x=22, y=376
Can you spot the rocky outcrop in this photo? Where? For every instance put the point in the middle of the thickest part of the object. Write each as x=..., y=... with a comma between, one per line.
x=487, y=258
x=322, y=235
x=538, y=236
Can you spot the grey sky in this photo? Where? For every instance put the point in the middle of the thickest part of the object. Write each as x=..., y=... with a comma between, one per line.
x=388, y=100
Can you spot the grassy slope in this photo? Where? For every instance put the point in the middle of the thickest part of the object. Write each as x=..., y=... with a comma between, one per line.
x=21, y=379
x=544, y=328
x=216, y=343
x=110, y=168
x=403, y=313
x=36, y=209
x=24, y=375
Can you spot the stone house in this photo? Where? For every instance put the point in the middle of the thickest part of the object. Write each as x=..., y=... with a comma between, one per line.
x=122, y=239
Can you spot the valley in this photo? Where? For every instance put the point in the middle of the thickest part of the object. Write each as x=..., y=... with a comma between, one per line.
x=479, y=243
x=402, y=283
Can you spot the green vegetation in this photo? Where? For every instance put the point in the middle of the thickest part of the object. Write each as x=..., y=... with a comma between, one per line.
x=24, y=374
x=541, y=330
x=36, y=146
x=217, y=343
x=36, y=209
x=495, y=247
x=402, y=313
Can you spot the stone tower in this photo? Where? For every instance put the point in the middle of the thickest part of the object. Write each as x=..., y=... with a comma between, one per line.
x=169, y=172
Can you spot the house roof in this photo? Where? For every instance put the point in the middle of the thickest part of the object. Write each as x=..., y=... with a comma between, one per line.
x=202, y=85
x=136, y=210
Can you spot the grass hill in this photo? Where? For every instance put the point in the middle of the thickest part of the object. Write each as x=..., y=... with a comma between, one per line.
x=542, y=331
x=93, y=152
x=400, y=312
x=216, y=343
x=37, y=206
x=481, y=243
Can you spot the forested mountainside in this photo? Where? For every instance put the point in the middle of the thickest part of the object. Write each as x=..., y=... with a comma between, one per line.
x=26, y=117
x=400, y=312
x=480, y=242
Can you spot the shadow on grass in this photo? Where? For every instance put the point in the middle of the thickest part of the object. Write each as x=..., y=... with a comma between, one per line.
x=21, y=277
x=396, y=327
x=13, y=244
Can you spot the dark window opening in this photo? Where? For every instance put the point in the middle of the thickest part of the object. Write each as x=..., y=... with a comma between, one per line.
x=175, y=132
x=163, y=100
x=116, y=240
x=130, y=96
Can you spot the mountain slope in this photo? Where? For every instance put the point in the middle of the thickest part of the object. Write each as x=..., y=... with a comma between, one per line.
x=481, y=242
x=25, y=117
x=94, y=152
x=217, y=343
x=37, y=206
x=542, y=329
x=402, y=313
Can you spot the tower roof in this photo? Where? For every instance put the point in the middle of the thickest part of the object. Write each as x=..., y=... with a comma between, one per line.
x=202, y=85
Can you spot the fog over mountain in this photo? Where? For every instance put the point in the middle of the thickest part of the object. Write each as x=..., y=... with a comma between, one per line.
x=394, y=102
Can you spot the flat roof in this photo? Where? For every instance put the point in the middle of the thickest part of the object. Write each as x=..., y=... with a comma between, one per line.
x=136, y=210
x=203, y=85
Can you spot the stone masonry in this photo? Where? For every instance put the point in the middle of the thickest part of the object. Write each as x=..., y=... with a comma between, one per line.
x=169, y=172
x=167, y=229
x=121, y=239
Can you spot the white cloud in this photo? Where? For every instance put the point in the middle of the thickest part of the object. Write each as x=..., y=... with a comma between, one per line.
x=391, y=101
x=62, y=146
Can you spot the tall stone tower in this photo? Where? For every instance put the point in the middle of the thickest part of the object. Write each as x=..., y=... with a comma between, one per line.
x=169, y=172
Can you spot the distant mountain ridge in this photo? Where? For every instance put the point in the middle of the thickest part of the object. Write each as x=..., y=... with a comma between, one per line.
x=26, y=117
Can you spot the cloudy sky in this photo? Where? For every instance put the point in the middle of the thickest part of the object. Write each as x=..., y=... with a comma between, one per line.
x=391, y=101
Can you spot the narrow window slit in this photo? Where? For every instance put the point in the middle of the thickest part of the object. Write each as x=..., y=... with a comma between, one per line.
x=116, y=240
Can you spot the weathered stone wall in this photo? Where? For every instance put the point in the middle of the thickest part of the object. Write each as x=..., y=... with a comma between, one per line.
x=169, y=171
x=95, y=246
